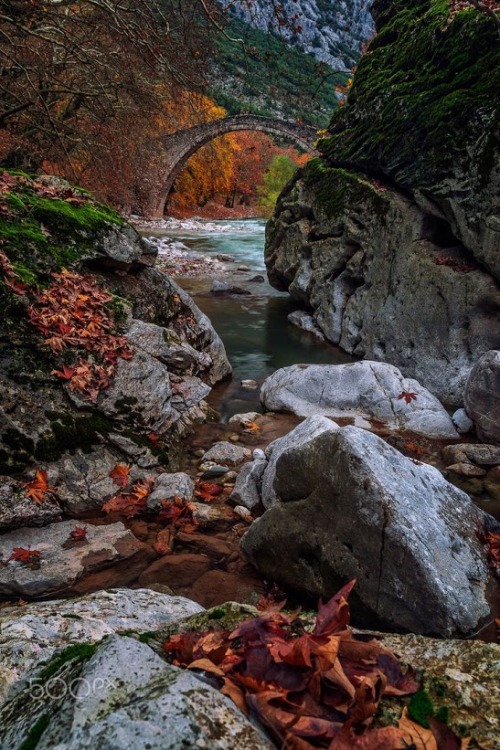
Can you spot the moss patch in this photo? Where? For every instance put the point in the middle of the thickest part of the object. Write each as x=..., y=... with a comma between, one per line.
x=35, y=733
x=335, y=189
x=46, y=232
x=425, y=91
x=77, y=652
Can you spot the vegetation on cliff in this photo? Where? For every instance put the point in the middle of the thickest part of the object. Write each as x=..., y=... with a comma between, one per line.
x=424, y=93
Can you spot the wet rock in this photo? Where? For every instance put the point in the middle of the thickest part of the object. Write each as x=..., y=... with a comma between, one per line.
x=482, y=397
x=249, y=385
x=211, y=515
x=307, y=430
x=246, y=490
x=245, y=418
x=227, y=453
x=222, y=287
x=219, y=586
x=17, y=510
x=135, y=700
x=29, y=635
x=176, y=571
x=258, y=279
x=462, y=421
x=305, y=322
x=142, y=386
x=212, y=472
x=367, y=390
x=492, y=483
x=467, y=470
x=352, y=506
x=110, y=555
x=483, y=455
x=243, y=513
x=210, y=545
x=168, y=486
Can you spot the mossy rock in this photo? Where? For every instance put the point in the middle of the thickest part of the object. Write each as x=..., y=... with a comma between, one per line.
x=425, y=90
x=45, y=232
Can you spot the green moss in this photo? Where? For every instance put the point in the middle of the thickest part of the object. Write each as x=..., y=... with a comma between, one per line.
x=421, y=707
x=77, y=652
x=35, y=733
x=118, y=307
x=17, y=453
x=67, y=433
x=335, y=189
x=425, y=89
x=45, y=234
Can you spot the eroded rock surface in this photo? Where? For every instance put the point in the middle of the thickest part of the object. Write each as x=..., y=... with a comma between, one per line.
x=31, y=634
x=363, y=390
x=66, y=566
x=125, y=696
x=351, y=506
x=482, y=397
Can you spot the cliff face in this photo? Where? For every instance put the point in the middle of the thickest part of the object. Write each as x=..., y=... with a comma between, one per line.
x=332, y=32
x=392, y=235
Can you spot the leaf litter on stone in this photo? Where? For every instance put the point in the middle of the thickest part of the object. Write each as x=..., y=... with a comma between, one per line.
x=318, y=689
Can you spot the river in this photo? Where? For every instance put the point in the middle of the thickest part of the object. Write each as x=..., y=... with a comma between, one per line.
x=254, y=328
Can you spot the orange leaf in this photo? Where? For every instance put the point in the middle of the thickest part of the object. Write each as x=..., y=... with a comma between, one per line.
x=120, y=474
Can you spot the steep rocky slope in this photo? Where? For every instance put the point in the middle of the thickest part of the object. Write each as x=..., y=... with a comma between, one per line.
x=392, y=235
x=332, y=32
x=102, y=358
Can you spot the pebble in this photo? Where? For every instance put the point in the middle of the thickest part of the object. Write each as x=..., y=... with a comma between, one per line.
x=249, y=416
x=234, y=438
x=250, y=385
x=258, y=455
x=200, y=453
x=462, y=421
x=215, y=471
x=243, y=513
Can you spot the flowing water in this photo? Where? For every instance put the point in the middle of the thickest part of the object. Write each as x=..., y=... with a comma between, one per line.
x=254, y=328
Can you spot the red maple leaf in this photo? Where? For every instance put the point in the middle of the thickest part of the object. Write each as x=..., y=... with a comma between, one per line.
x=27, y=556
x=79, y=534
x=408, y=396
x=38, y=489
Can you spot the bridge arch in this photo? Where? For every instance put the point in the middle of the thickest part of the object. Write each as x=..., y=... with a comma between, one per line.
x=181, y=145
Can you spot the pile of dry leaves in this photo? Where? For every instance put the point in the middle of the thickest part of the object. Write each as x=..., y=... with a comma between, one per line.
x=318, y=689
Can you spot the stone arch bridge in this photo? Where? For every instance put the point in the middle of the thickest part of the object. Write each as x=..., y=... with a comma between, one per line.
x=181, y=145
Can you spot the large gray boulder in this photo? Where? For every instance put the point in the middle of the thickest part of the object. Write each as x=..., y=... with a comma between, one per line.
x=125, y=697
x=354, y=507
x=384, y=278
x=303, y=433
x=482, y=397
x=362, y=390
x=31, y=634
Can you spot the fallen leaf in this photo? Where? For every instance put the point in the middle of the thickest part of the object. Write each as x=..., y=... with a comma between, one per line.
x=120, y=474
x=27, y=556
x=408, y=396
x=79, y=534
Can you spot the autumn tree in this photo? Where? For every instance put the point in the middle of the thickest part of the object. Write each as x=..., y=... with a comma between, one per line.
x=68, y=67
x=279, y=173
